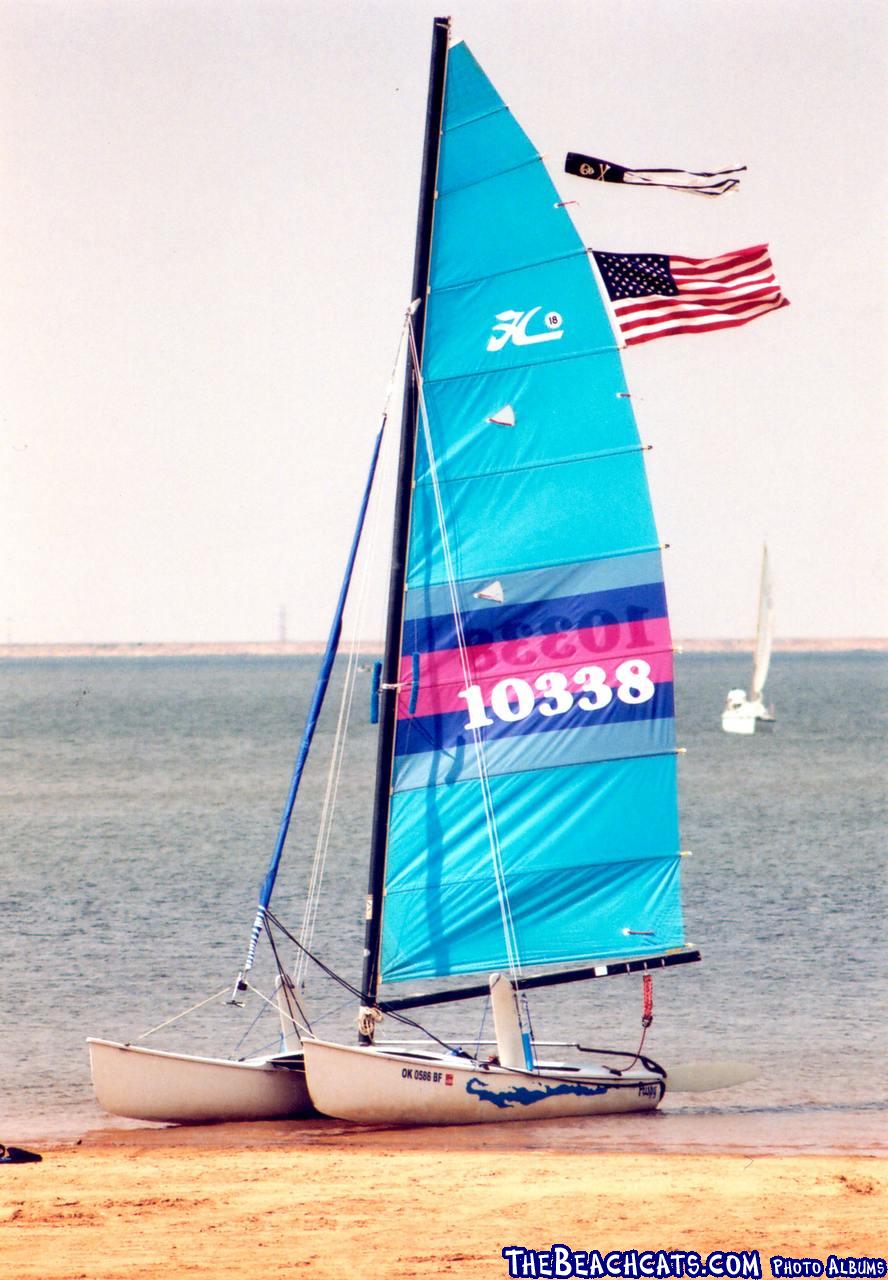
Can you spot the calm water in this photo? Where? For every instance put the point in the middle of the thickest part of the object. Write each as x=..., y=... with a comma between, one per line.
x=140, y=801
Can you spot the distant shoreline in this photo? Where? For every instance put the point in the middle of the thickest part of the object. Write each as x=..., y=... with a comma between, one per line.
x=299, y=648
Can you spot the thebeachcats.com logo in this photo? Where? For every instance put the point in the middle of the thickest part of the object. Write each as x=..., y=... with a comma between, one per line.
x=560, y=1261
x=630, y=1264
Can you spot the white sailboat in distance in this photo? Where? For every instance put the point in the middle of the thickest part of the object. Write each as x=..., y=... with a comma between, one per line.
x=745, y=709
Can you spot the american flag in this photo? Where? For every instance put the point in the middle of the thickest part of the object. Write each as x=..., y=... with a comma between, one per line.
x=654, y=295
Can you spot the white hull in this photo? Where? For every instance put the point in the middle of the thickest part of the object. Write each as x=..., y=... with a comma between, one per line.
x=148, y=1084
x=372, y=1086
x=743, y=717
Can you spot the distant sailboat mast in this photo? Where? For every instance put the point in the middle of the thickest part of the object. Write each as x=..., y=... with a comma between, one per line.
x=764, y=632
x=744, y=710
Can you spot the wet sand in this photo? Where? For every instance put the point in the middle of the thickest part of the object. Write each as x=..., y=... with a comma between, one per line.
x=283, y=1200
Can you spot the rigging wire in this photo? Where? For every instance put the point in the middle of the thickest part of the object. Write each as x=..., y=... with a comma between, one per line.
x=249, y=1029
x=480, y=1039
x=457, y=1050
x=287, y=985
x=334, y=774
x=185, y=1012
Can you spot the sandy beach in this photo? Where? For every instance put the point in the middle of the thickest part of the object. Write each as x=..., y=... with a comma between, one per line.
x=280, y=1200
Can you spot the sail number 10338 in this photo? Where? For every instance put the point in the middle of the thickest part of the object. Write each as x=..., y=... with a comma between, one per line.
x=516, y=699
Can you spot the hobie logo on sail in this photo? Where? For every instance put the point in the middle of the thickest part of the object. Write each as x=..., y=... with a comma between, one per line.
x=513, y=328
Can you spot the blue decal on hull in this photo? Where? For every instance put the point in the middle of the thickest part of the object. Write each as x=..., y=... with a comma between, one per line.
x=526, y=1097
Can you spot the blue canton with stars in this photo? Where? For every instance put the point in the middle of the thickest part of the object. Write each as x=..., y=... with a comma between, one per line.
x=635, y=275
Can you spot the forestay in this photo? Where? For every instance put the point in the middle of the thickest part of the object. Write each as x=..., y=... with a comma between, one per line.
x=558, y=579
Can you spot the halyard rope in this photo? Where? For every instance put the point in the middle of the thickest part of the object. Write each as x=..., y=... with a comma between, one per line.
x=483, y=777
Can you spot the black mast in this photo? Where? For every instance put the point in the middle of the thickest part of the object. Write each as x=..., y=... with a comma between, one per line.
x=392, y=658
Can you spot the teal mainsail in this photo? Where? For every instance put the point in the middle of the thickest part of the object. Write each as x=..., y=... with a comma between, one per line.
x=533, y=814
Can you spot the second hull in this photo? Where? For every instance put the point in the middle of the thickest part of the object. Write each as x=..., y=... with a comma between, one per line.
x=149, y=1084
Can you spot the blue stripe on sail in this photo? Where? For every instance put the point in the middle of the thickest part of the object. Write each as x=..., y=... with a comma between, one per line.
x=486, y=205
x=601, y=797
x=465, y=318
x=527, y=519
x=470, y=95
x=512, y=209
x=547, y=929
x=460, y=166
x=630, y=606
x=442, y=906
x=490, y=155
x=555, y=418
x=571, y=747
x=536, y=585
x=448, y=732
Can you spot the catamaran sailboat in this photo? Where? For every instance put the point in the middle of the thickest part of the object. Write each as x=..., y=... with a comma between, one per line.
x=525, y=818
x=525, y=823
x=746, y=709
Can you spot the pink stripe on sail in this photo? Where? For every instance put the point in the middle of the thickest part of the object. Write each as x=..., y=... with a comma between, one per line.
x=541, y=652
x=441, y=678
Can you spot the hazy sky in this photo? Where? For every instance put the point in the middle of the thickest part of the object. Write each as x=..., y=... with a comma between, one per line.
x=206, y=240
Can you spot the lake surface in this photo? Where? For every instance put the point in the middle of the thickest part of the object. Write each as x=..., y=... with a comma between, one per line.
x=140, y=800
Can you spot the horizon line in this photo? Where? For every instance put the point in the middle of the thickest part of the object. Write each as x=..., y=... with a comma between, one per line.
x=308, y=648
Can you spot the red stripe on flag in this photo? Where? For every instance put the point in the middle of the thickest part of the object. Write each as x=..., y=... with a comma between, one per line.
x=657, y=315
x=668, y=329
x=656, y=305
x=756, y=251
